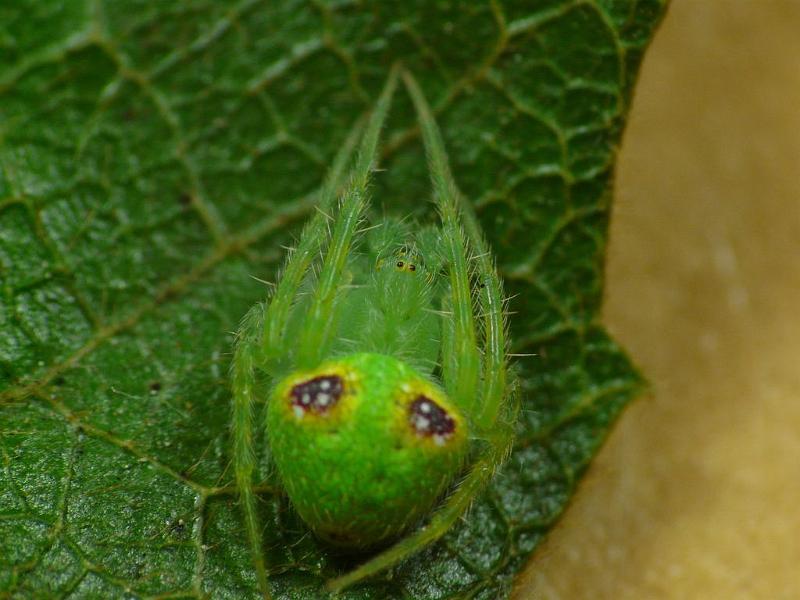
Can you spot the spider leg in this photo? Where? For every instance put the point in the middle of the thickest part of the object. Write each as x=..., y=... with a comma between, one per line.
x=273, y=344
x=318, y=328
x=260, y=338
x=460, y=351
x=244, y=459
x=461, y=356
x=490, y=291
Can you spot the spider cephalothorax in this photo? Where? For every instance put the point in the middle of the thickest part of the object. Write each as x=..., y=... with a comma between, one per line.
x=384, y=347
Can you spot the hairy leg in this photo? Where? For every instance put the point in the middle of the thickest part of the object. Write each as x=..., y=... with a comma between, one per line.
x=460, y=351
x=490, y=286
x=245, y=359
x=299, y=260
x=318, y=330
x=461, y=357
x=260, y=337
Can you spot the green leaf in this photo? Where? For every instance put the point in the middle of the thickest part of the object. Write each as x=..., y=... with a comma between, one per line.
x=155, y=156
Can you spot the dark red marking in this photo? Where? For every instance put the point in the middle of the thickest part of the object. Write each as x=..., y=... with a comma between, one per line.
x=429, y=419
x=318, y=395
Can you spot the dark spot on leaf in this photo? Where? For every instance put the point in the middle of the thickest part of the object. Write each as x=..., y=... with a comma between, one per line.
x=178, y=528
x=155, y=386
x=136, y=571
x=184, y=199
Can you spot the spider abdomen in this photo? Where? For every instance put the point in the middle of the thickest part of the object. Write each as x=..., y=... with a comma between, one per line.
x=364, y=446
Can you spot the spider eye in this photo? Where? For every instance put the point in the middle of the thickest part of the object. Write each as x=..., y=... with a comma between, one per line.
x=400, y=264
x=318, y=394
x=412, y=267
x=430, y=420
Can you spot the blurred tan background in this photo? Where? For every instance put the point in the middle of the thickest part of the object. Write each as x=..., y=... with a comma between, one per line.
x=696, y=495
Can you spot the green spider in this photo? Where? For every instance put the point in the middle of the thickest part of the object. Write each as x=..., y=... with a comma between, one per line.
x=384, y=349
